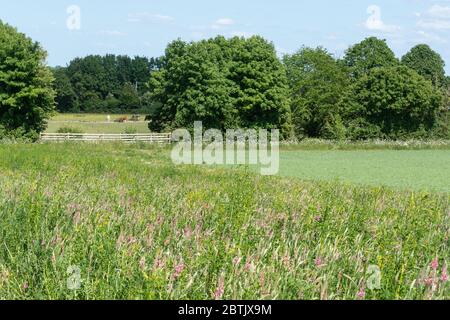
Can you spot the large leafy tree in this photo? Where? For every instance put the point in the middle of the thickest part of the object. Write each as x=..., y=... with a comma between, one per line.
x=368, y=54
x=225, y=83
x=27, y=97
x=317, y=83
x=427, y=63
x=391, y=102
x=262, y=99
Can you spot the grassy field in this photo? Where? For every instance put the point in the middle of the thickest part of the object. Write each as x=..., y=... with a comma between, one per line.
x=404, y=169
x=137, y=227
x=90, y=117
x=97, y=123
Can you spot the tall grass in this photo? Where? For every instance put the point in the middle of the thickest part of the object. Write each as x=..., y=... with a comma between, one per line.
x=138, y=227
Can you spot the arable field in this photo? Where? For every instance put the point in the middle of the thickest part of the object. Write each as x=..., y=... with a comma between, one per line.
x=402, y=169
x=128, y=223
x=97, y=123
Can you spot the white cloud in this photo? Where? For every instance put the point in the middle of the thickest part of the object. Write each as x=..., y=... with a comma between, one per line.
x=438, y=11
x=146, y=16
x=222, y=23
x=430, y=37
x=434, y=24
x=225, y=22
x=375, y=23
x=113, y=33
x=437, y=17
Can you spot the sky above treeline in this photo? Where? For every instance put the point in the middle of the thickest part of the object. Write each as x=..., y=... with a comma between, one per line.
x=69, y=29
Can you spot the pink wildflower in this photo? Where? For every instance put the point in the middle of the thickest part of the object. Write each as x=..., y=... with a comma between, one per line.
x=429, y=282
x=220, y=289
x=362, y=293
x=434, y=264
x=178, y=270
x=444, y=275
x=318, y=262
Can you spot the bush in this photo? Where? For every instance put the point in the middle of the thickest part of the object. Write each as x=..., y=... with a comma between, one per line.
x=391, y=103
x=130, y=130
x=68, y=129
x=17, y=135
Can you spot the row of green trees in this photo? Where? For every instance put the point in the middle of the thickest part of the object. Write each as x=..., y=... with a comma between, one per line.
x=368, y=93
x=238, y=82
x=112, y=84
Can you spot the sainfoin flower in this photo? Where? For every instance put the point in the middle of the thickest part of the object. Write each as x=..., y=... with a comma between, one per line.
x=220, y=289
x=362, y=293
x=429, y=282
x=318, y=262
x=434, y=264
x=444, y=274
x=178, y=270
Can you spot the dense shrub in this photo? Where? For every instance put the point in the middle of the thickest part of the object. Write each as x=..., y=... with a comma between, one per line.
x=391, y=102
x=317, y=83
x=69, y=129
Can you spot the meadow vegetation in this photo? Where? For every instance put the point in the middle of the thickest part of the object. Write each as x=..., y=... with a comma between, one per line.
x=138, y=227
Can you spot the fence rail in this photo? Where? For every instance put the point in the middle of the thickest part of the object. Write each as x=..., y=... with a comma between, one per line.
x=148, y=138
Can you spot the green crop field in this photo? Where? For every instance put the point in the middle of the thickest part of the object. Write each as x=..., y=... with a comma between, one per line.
x=403, y=169
x=133, y=225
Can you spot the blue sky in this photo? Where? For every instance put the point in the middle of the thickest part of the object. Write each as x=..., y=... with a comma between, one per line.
x=144, y=27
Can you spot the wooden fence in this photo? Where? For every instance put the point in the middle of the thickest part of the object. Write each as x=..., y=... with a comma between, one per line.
x=147, y=138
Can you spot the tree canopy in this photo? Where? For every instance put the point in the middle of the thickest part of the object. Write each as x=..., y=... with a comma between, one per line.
x=428, y=63
x=226, y=83
x=368, y=54
x=318, y=83
x=103, y=83
x=391, y=102
x=27, y=98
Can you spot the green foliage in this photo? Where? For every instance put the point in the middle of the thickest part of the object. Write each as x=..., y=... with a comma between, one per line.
x=427, y=63
x=26, y=95
x=66, y=98
x=69, y=129
x=129, y=97
x=225, y=83
x=317, y=83
x=368, y=54
x=391, y=102
x=130, y=130
x=110, y=83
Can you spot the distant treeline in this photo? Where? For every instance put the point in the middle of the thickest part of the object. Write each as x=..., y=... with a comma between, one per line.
x=234, y=83
x=110, y=84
